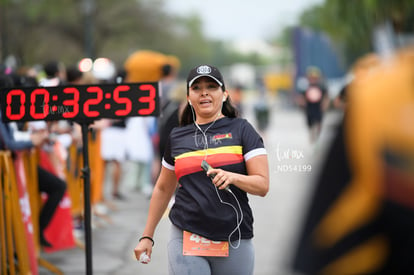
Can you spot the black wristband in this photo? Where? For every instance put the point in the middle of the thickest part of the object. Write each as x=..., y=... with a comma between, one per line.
x=146, y=237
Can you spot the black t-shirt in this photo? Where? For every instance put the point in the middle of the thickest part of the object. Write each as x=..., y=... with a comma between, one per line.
x=197, y=207
x=119, y=123
x=314, y=96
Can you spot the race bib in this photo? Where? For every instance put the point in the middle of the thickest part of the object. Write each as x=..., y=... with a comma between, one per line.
x=195, y=245
x=314, y=94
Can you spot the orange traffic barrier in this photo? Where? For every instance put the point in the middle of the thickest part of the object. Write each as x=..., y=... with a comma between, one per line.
x=97, y=165
x=31, y=161
x=74, y=180
x=15, y=253
x=30, y=165
x=3, y=258
x=15, y=256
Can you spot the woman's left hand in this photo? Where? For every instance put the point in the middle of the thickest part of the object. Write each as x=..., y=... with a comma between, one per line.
x=222, y=178
x=256, y=182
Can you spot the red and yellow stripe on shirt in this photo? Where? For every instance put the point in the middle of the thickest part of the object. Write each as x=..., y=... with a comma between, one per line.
x=190, y=162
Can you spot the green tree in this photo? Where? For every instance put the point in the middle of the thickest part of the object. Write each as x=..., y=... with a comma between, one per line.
x=36, y=31
x=45, y=29
x=351, y=23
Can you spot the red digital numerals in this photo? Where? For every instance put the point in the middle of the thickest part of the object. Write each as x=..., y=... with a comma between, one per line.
x=74, y=103
x=42, y=93
x=122, y=100
x=22, y=110
x=93, y=101
x=80, y=102
x=150, y=99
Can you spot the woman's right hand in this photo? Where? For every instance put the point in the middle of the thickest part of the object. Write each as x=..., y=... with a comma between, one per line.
x=145, y=245
x=161, y=196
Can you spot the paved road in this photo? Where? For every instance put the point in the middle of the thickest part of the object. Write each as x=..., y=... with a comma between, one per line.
x=293, y=164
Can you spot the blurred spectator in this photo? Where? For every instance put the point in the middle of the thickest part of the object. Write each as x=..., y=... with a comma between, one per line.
x=6, y=81
x=55, y=74
x=140, y=153
x=62, y=130
x=148, y=66
x=113, y=151
x=23, y=80
x=361, y=214
x=74, y=75
x=236, y=95
x=168, y=78
x=362, y=67
x=315, y=100
x=261, y=108
x=170, y=114
x=112, y=133
x=171, y=101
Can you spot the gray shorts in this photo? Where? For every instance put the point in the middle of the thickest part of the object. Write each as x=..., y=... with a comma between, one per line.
x=240, y=261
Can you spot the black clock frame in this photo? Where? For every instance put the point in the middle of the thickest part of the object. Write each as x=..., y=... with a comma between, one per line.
x=80, y=102
x=93, y=102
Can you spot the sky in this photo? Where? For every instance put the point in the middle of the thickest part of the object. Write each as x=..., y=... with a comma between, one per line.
x=242, y=19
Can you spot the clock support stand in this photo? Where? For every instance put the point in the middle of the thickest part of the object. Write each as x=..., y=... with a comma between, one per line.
x=87, y=197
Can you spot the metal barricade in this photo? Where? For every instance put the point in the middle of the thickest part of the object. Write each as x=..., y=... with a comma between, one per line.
x=14, y=252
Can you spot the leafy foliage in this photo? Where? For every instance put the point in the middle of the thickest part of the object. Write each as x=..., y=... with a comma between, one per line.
x=68, y=30
x=351, y=23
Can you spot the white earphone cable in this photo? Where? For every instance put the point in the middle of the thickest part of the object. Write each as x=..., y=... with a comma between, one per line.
x=237, y=228
x=238, y=222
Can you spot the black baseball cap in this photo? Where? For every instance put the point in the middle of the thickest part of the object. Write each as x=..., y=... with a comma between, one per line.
x=205, y=70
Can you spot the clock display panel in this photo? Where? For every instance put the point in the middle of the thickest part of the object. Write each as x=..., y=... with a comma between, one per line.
x=81, y=102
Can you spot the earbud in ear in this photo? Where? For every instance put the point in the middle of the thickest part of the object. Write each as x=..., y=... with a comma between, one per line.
x=189, y=102
x=224, y=98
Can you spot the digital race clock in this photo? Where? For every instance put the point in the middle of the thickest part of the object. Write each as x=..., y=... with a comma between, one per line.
x=81, y=102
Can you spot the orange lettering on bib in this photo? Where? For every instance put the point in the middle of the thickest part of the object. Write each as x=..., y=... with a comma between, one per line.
x=195, y=245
